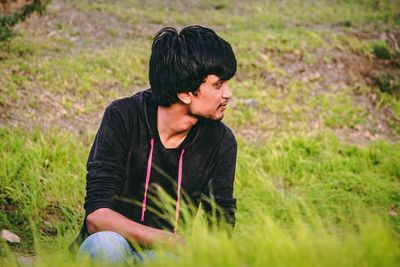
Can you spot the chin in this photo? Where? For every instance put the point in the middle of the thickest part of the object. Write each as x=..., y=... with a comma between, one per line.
x=213, y=117
x=218, y=118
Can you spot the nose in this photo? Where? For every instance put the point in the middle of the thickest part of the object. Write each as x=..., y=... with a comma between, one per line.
x=227, y=93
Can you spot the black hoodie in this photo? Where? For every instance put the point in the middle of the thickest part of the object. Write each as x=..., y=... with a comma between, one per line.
x=127, y=151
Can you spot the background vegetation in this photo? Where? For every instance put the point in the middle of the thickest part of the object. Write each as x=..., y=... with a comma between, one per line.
x=316, y=112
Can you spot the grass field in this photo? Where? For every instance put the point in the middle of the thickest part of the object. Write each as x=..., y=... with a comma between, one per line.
x=316, y=113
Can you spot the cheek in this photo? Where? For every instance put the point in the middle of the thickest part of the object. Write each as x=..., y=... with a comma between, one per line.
x=215, y=98
x=212, y=102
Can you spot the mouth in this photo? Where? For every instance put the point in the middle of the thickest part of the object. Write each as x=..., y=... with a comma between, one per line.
x=223, y=106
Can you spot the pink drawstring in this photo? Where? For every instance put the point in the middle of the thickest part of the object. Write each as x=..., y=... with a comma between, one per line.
x=147, y=178
x=178, y=197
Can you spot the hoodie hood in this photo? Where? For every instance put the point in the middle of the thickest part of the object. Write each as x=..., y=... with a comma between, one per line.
x=149, y=109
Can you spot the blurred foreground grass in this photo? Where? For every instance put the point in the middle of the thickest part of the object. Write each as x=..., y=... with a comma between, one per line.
x=302, y=201
x=315, y=110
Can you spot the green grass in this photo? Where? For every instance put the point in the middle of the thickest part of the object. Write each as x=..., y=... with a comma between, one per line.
x=37, y=65
x=305, y=198
x=268, y=14
x=39, y=174
x=77, y=76
x=302, y=200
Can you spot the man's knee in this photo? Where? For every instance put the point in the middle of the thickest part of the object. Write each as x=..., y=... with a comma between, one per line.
x=106, y=246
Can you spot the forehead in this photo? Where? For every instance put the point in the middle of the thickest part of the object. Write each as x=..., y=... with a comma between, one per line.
x=211, y=79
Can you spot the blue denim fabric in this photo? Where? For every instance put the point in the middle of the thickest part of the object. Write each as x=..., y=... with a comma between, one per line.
x=111, y=247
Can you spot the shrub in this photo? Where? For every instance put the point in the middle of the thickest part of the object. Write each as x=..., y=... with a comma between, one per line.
x=382, y=51
x=9, y=20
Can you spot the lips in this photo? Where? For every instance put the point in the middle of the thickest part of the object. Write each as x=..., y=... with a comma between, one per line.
x=224, y=104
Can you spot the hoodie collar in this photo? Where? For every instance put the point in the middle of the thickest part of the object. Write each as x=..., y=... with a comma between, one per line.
x=150, y=113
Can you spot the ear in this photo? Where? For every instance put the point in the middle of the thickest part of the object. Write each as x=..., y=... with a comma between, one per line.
x=185, y=97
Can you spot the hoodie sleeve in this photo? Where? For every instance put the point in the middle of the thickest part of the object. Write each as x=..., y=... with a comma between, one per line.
x=220, y=187
x=106, y=169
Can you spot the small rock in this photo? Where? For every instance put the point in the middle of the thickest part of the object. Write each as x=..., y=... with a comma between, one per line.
x=340, y=65
x=252, y=103
x=393, y=211
x=10, y=237
x=25, y=260
x=264, y=56
x=314, y=77
x=383, y=36
x=369, y=136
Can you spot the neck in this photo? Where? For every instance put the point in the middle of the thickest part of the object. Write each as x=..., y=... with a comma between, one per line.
x=173, y=124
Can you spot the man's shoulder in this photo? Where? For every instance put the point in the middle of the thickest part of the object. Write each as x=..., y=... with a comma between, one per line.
x=128, y=106
x=133, y=101
x=228, y=133
x=219, y=131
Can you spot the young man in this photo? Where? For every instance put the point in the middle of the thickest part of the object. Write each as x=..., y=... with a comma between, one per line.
x=169, y=137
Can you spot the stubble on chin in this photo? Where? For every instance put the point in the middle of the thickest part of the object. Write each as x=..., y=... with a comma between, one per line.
x=212, y=117
x=219, y=118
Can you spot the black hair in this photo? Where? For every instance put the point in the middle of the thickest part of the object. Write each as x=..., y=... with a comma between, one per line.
x=180, y=62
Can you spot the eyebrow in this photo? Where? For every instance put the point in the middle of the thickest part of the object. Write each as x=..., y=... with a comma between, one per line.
x=218, y=82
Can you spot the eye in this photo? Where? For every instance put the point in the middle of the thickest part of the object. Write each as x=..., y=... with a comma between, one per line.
x=218, y=85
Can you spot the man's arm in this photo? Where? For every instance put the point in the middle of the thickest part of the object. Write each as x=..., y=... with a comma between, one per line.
x=220, y=188
x=105, y=219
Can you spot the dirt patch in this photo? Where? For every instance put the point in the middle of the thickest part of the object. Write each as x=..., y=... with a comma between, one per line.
x=37, y=107
x=50, y=217
x=72, y=30
x=334, y=70
x=67, y=30
x=8, y=206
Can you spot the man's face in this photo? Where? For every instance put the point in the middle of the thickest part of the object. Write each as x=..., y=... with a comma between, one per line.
x=211, y=99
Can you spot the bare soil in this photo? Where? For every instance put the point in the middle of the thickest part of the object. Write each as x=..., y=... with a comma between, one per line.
x=98, y=30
